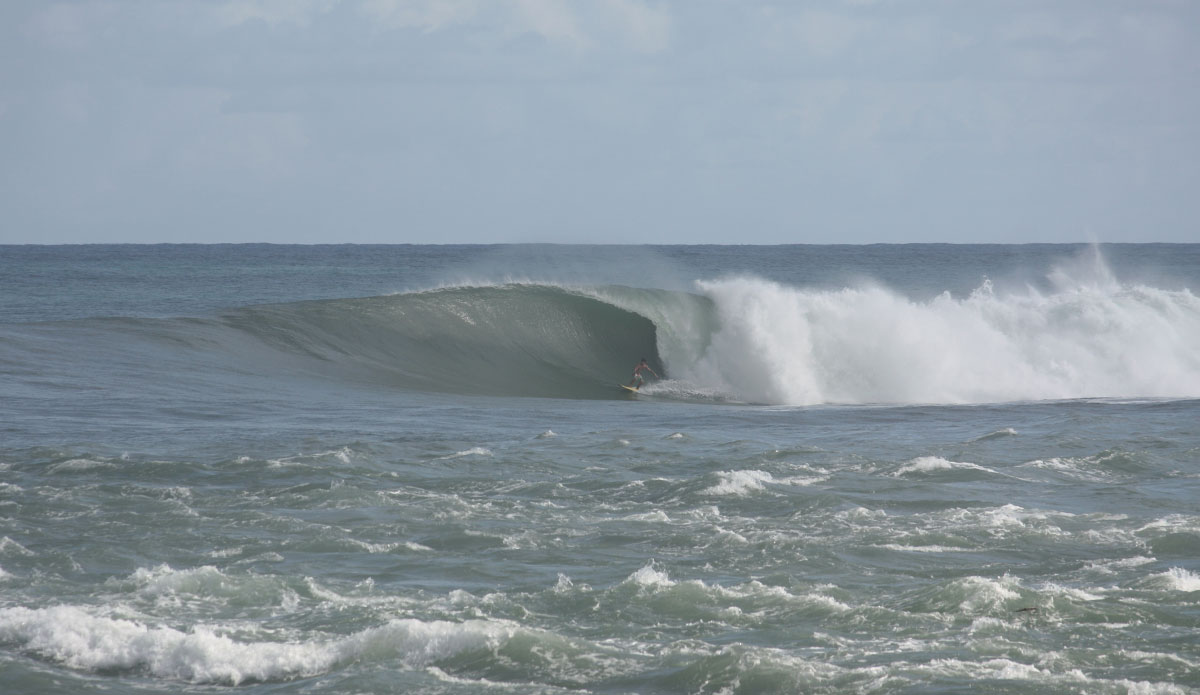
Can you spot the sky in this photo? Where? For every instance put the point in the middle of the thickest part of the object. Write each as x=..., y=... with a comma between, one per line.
x=599, y=121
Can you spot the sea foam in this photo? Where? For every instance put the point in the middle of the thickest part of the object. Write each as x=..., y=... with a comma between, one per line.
x=930, y=464
x=74, y=637
x=739, y=482
x=473, y=451
x=1179, y=579
x=69, y=635
x=1086, y=337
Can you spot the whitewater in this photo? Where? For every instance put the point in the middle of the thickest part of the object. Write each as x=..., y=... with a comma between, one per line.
x=766, y=342
x=879, y=469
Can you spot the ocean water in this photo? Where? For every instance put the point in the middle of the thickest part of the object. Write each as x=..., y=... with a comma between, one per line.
x=409, y=469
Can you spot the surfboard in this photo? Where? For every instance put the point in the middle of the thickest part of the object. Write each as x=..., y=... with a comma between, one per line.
x=628, y=388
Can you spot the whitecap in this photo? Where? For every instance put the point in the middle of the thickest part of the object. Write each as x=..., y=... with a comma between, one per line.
x=9, y=545
x=975, y=594
x=727, y=535
x=1110, y=566
x=375, y=548
x=1075, y=593
x=1006, y=432
x=739, y=482
x=75, y=465
x=929, y=464
x=649, y=576
x=1174, y=523
x=74, y=637
x=928, y=548
x=657, y=516
x=1074, y=468
x=1179, y=579
x=473, y=451
x=859, y=513
x=162, y=579
x=801, y=481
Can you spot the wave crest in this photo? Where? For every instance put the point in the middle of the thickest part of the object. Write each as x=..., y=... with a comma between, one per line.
x=736, y=339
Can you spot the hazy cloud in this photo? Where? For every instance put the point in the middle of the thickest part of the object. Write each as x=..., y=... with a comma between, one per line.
x=474, y=120
x=273, y=12
x=427, y=15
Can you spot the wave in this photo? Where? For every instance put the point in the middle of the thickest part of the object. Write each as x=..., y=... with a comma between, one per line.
x=781, y=344
x=1087, y=336
x=512, y=340
x=741, y=339
x=72, y=636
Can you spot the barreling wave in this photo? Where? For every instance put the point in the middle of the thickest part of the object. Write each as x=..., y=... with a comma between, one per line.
x=741, y=339
x=757, y=341
x=513, y=340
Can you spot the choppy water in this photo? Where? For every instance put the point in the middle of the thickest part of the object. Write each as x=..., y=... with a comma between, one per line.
x=903, y=469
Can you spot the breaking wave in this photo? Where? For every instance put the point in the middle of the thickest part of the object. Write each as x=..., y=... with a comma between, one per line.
x=70, y=635
x=740, y=339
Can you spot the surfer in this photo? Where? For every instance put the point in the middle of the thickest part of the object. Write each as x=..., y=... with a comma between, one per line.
x=637, y=374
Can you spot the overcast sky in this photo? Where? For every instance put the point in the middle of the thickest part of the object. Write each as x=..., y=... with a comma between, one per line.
x=688, y=121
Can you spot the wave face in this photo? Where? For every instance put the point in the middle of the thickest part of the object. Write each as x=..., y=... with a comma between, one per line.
x=515, y=340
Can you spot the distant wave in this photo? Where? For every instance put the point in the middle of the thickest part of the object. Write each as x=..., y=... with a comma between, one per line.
x=740, y=339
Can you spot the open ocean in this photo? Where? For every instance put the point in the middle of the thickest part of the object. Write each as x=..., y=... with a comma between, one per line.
x=409, y=469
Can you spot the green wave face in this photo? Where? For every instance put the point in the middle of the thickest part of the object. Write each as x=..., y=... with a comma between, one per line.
x=512, y=340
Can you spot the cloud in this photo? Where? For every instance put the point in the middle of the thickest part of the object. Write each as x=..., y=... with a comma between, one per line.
x=67, y=26
x=551, y=19
x=469, y=119
x=426, y=15
x=579, y=26
x=273, y=12
x=1047, y=27
x=648, y=28
x=827, y=33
